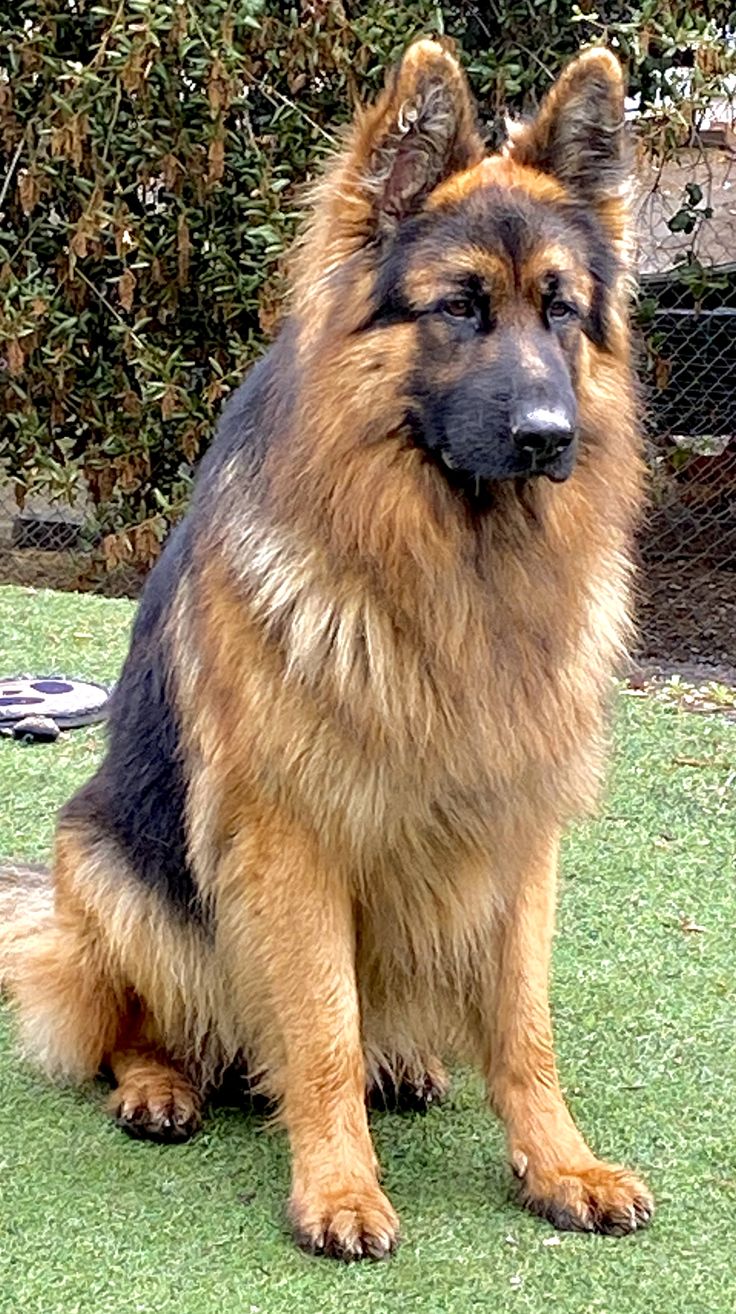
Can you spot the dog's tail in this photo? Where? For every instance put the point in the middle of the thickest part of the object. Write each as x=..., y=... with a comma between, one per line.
x=26, y=907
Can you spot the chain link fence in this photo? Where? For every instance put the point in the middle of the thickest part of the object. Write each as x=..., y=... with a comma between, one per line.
x=687, y=343
x=686, y=338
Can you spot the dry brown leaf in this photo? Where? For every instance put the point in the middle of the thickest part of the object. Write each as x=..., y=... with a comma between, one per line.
x=131, y=469
x=189, y=443
x=216, y=157
x=126, y=289
x=68, y=137
x=184, y=249
x=101, y=480
x=145, y=544
x=214, y=391
x=179, y=25
x=170, y=171
x=695, y=761
x=78, y=244
x=15, y=356
x=116, y=549
x=29, y=191
x=687, y=924
x=661, y=372
x=218, y=87
x=131, y=402
x=168, y=402
x=133, y=74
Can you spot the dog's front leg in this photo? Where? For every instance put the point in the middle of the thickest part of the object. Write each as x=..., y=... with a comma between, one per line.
x=300, y=931
x=559, y=1175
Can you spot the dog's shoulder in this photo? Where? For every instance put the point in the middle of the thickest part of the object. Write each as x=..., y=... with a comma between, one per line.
x=256, y=416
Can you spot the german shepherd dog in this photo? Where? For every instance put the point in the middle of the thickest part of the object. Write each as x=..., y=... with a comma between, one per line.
x=368, y=678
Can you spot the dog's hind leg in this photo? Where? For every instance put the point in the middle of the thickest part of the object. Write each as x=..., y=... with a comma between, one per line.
x=153, y=1099
x=67, y=1000
x=77, y=1010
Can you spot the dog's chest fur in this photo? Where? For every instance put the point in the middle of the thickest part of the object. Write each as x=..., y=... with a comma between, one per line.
x=388, y=724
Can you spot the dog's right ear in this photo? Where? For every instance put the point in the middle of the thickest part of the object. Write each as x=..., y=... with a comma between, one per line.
x=421, y=130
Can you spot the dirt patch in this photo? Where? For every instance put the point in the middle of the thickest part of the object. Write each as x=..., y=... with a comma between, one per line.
x=687, y=620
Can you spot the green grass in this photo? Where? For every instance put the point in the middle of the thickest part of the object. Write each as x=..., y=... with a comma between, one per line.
x=646, y=1023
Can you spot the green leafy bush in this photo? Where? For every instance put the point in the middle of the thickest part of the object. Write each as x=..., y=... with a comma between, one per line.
x=151, y=157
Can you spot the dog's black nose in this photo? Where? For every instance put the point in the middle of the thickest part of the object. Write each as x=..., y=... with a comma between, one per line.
x=543, y=434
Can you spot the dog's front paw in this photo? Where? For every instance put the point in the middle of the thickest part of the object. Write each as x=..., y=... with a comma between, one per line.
x=345, y=1222
x=598, y=1197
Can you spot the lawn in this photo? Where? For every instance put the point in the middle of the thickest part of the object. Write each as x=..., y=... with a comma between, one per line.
x=645, y=1002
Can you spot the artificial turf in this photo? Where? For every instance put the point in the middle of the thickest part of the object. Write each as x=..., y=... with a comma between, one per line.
x=645, y=1004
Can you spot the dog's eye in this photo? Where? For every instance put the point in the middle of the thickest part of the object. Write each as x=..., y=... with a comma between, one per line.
x=558, y=312
x=459, y=307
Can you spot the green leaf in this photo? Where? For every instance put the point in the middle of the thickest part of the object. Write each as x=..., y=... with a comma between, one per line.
x=682, y=222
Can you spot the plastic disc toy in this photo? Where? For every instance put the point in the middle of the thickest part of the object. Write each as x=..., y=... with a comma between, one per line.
x=68, y=702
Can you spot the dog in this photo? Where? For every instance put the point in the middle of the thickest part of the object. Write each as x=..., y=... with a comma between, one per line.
x=368, y=680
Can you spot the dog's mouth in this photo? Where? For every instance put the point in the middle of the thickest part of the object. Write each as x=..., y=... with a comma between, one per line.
x=556, y=468
x=470, y=471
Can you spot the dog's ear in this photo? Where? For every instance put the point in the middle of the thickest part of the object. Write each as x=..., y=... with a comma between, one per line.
x=578, y=135
x=420, y=131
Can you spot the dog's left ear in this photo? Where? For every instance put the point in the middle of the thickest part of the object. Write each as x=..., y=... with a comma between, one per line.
x=420, y=131
x=578, y=135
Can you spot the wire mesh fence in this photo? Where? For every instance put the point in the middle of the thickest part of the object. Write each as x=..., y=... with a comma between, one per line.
x=686, y=339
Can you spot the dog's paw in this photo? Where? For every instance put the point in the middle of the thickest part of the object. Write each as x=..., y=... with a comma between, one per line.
x=345, y=1223
x=599, y=1197
x=160, y=1106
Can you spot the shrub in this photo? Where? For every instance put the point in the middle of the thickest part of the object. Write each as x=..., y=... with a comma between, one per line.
x=151, y=155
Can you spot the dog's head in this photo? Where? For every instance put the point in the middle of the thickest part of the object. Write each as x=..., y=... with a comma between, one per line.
x=486, y=279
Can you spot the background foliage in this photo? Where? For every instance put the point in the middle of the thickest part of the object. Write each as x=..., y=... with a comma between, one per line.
x=151, y=157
